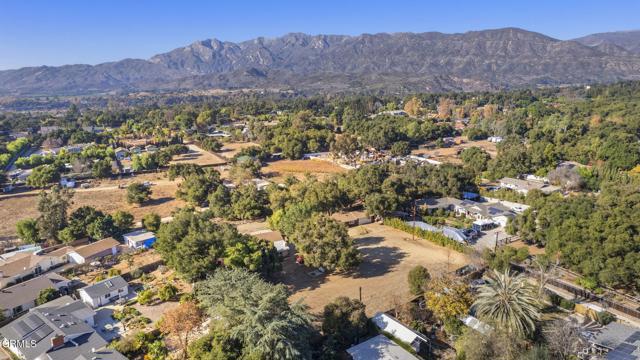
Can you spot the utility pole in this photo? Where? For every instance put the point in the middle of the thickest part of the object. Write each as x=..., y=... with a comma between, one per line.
x=413, y=233
x=360, y=291
x=495, y=247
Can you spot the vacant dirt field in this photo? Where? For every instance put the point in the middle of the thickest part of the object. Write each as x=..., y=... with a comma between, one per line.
x=388, y=255
x=281, y=168
x=198, y=156
x=106, y=196
x=230, y=149
x=450, y=154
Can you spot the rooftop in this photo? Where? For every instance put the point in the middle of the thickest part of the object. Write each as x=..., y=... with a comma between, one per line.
x=379, y=348
x=140, y=235
x=104, y=287
x=529, y=185
x=63, y=317
x=97, y=247
x=19, y=263
x=23, y=292
x=622, y=340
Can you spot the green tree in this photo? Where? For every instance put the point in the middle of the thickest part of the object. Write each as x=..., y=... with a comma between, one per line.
x=257, y=314
x=138, y=193
x=101, y=168
x=151, y=222
x=123, y=220
x=418, y=279
x=475, y=159
x=193, y=246
x=167, y=292
x=43, y=175
x=101, y=228
x=53, y=211
x=345, y=321
x=400, y=148
x=196, y=187
x=325, y=243
x=509, y=301
x=46, y=295
x=27, y=230
x=247, y=202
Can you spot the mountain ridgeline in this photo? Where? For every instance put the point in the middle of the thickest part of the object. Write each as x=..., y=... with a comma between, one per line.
x=399, y=62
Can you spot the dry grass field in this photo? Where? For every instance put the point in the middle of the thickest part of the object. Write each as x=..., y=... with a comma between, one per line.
x=198, y=156
x=387, y=257
x=450, y=154
x=104, y=196
x=230, y=149
x=320, y=168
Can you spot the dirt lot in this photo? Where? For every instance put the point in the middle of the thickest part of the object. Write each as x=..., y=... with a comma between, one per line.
x=105, y=196
x=198, y=156
x=298, y=168
x=450, y=154
x=388, y=255
x=230, y=149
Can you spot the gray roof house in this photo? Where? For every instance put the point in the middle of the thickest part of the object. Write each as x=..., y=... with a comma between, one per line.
x=104, y=292
x=58, y=330
x=621, y=342
x=21, y=297
x=379, y=348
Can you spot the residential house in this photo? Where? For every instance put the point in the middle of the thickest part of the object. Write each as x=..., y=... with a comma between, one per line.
x=22, y=266
x=140, y=239
x=21, y=297
x=618, y=341
x=61, y=329
x=104, y=292
x=93, y=251
x=68, y=182
x=391, y=325
x=121, y=153
x=524, y=186
x=44, y=130
x=151, y=148
x=353, y=218
x=379, y=348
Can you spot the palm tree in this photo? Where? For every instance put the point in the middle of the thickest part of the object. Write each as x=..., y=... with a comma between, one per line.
x=509, y=301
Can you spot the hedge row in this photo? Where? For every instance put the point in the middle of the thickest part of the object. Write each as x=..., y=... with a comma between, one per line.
x=431, y=236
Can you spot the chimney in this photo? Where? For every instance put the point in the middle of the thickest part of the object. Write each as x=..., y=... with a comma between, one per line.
x=57, y=341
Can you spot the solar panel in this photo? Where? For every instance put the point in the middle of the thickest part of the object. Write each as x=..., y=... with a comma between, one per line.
x=617, y=355
x=33, y=321
x=633, y=338
x=44, y=331
x=626, y=348
x=22, y=329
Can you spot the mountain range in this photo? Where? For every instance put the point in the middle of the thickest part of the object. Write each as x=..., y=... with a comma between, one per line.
x=399, y=62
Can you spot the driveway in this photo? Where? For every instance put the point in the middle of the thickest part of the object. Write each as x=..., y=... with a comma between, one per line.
x=487, y=239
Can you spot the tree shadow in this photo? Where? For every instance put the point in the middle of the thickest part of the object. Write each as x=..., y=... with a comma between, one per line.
x=158, y=201
x=378, y=261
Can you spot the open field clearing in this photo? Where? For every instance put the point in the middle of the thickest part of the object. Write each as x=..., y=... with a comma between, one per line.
x=198, y=156
x=450, y=154
x=281, y=168
x=387, y=257
x=106, y=197
x=229, y=150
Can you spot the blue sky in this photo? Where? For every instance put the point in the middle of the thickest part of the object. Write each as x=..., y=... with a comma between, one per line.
x=55, y=32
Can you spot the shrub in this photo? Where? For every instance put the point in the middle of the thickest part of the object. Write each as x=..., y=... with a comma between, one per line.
x=567, y=304
x=167, y=292
x=418, y=278
x=136, y=273
x=605, y=317
x=113, y=272
x=146, y=296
